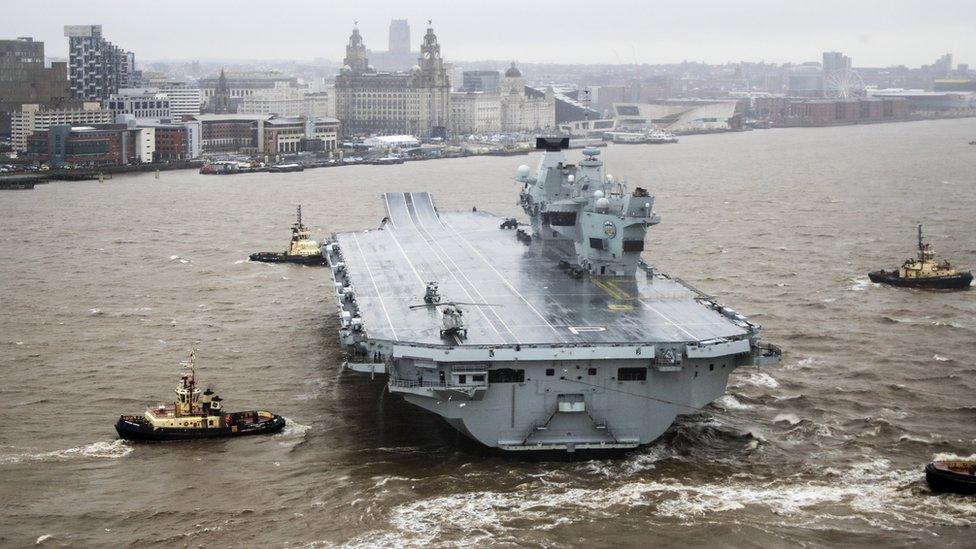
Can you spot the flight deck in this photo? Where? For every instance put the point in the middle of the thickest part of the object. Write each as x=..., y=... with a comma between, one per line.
x=524, y=297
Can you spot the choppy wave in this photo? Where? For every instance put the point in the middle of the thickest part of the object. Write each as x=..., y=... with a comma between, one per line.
x=97, y=450
x=758, y=379
x=872, y=491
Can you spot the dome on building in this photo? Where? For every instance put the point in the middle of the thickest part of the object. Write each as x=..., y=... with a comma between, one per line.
x=513, y=72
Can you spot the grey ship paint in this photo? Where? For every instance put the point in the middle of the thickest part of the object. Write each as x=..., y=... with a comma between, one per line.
x=569, y=342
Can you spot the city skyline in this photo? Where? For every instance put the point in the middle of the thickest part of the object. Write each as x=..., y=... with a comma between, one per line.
x=874, y=35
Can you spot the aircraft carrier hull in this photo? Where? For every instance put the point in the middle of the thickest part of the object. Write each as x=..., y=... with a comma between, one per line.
x=550, y=361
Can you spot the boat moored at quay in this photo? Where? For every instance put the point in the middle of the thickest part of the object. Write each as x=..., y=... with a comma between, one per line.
x=558, y=338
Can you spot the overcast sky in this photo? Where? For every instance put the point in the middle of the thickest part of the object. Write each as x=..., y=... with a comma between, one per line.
x=874, y=33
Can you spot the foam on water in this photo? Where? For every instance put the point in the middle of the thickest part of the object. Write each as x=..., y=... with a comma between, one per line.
x=729, y=402
x=758, y=379
x=97, y=450
x=873, y=491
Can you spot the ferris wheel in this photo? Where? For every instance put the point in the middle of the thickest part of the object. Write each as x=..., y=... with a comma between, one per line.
x=843, y=84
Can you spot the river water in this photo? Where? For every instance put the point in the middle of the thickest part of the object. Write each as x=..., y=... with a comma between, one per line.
x=104, y=287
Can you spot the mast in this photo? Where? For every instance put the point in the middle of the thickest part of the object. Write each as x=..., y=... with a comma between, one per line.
x=299, y=216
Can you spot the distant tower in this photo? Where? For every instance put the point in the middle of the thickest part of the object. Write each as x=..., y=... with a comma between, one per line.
x=399, y=36
x=356, y=62
x=221, y=99
x=430, y=60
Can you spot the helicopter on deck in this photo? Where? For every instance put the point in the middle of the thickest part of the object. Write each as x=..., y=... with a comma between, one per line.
x=452, y=317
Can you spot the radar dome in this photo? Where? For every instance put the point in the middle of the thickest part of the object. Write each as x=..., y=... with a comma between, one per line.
x=571, y=178
x=346, y=68
x=598, y=194
x=609, y=178
x=415, y=68
x=523, y=171
x=602, y=203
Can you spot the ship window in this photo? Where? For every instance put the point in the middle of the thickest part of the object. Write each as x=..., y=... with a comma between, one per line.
x=478, y=379
x=550, y=371
x=711, y=367
x=596, y=243
x=462, y=379
x=633, y=245
x=632, y=374
x=591, y=371
x=506, y=375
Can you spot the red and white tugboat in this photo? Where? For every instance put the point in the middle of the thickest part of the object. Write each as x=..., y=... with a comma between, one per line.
x=194, y=416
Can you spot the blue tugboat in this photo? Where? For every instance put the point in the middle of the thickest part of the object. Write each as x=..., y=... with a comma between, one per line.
x=194, y=416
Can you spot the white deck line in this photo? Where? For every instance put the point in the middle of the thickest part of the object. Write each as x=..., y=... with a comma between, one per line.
x=388, y=211
x=375, y=287
x=461, y=271
x=504, y=281
x=673, y=323
x=410, y=263
x=456, y=279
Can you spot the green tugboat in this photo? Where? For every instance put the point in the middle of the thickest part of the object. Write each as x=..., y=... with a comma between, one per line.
x=195, y=416
x=302, y=249
x=924, y=272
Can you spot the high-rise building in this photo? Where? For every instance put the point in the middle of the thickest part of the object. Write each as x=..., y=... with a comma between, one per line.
x=386, y=103
x=835, y=61
x=97, y=68
x=399, y=36
x=24, y=79
x=184, y=100
x=398, y=57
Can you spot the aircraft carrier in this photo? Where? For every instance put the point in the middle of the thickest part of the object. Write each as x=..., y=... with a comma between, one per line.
x=553, y=336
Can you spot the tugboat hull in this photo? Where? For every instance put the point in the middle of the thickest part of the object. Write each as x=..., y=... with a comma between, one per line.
x=955, y=282
x=135, y=428
x=278, y=257
x=942, y=478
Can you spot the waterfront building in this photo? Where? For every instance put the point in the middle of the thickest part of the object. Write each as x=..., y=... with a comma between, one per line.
x=97, y=68
x=32, y=117
x=25, y=79
x=175, y=140
x=140, y=103
x=96, y=145
x=415, y=102
x=480, y=81
x=523, y=109
x=284, y=100
x=678, y=116
x=266, y=134
x=796, y=111
x=184, y=100
x=475, y=113
x=222, y=93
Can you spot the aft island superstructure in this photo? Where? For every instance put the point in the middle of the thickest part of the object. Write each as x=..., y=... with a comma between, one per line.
x=555, y=336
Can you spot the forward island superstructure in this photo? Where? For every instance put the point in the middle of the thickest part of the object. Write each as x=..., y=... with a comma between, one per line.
x=554, y=337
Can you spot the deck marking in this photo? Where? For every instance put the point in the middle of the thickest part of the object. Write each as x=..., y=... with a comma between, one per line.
x=456, y=279
x=410, y=263
x=626, y=294
x=422, y=227
x=504, y=281
x=389, y=213
x=373, y=280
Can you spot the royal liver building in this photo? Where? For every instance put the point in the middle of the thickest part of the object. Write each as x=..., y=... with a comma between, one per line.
x=386, y=103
